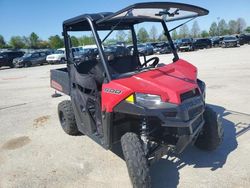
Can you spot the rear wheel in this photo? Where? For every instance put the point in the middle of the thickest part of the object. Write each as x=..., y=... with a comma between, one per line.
x=67, y=118
x=212, y=134
x=136, y=160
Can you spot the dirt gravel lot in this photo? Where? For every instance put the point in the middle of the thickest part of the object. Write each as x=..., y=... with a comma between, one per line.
x=35, y=152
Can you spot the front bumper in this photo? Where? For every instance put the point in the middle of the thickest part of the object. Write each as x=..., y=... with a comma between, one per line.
x=187, y=117
x=19, y=64
x=230, y=44
x=187, y=47
x=52, y=61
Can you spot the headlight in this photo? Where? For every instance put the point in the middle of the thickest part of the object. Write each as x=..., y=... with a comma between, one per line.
x=144, y=99
x=147, y=99
x=20, y=60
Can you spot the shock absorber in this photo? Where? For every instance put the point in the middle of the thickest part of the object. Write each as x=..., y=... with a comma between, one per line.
x=144, y=134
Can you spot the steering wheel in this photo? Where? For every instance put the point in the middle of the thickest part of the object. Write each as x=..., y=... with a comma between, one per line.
x=154, y=59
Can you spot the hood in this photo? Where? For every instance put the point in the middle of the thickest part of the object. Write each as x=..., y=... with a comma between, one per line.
x=20, y=59
x=169, y=81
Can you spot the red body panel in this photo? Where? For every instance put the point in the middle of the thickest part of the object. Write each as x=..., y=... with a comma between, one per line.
x=169, y=82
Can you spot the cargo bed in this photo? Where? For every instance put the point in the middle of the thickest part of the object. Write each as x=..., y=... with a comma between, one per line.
x=59, y=80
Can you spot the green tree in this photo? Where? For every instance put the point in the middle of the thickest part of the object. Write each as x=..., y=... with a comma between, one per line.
x=2, y=42
x=222, y=27
x=204, y=34
x=247, y=29
x=184, y=31
x=174, y=35
x=232, y=27
x=17, y=42
x=86, y=40
x=241, y=25
x=26, y=41
x=195, y=30
x=213, y=31
x=142, y=35
x=129, y=37
x=34, y=40
x=121, y=36
x=153, y=34
x=110, y=41
x=162, y=37
x=43, y=44
x=55, y=42
x=74, y=41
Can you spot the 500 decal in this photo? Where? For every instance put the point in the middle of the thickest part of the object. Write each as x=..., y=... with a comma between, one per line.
x=113, y=91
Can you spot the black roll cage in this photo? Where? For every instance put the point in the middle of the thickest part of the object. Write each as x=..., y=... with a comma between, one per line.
x=107, y=20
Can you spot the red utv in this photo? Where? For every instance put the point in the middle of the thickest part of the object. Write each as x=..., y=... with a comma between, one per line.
x=140, y=109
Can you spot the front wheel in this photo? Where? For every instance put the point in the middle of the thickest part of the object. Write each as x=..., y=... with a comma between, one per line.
x=212, y=134
x=136, y=160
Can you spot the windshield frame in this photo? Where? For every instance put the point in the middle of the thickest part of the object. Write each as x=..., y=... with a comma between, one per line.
x=136, y=53
x=109, y=21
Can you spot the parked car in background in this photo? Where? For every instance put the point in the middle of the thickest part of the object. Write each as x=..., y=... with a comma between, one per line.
x=157, y=47
x=131, y=49
x=177, y=43
x=229, y=41
x=216, y=41
x=146, y=49
x=76, y=51
x=244, y=39
x=186, y=44
x=154, y=45
x=90, y=53
x=202, y=43
x=29, y=59
x=164, y=48
x=6, y=58
x=57, y=57
x=86, y=54
x=49, y=51
x=117, y=51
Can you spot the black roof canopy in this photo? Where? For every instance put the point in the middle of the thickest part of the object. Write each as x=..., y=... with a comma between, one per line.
x=137, y=13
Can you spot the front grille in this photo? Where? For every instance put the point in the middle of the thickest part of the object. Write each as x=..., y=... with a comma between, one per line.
x=195, y=111
x=170, y=114
x=189, y=94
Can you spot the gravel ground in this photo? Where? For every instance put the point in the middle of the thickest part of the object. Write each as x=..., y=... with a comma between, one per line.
x=35, y=152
